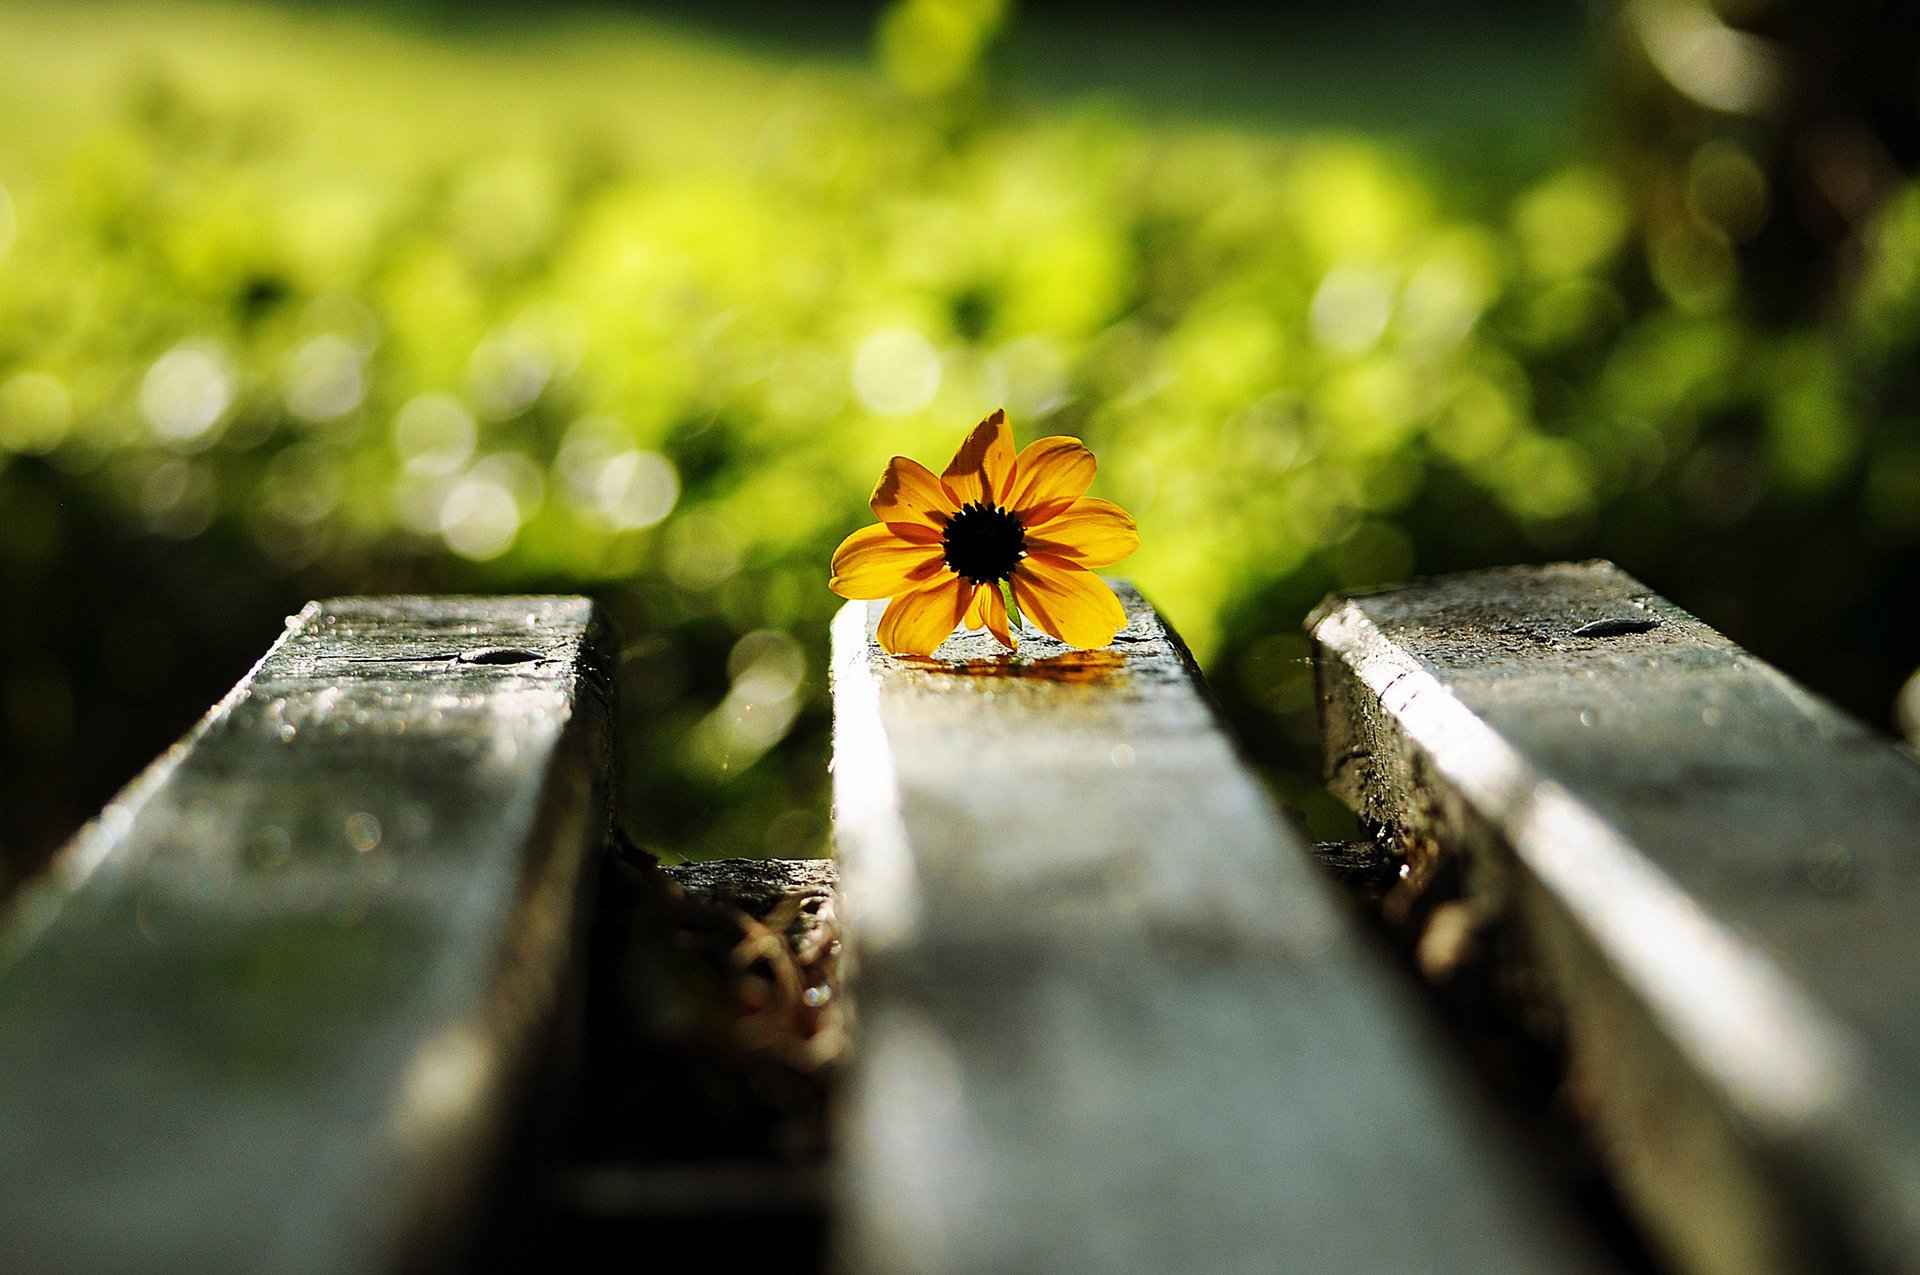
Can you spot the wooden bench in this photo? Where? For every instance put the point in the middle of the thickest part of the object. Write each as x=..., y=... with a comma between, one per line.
x=1713, y=875
x=271, y=1010
x=282, y=1007
x=1110, y=1015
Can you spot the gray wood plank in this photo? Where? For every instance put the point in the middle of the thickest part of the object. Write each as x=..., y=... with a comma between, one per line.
x=1717, y=871
x=1109, y=1017
x=266, y=1013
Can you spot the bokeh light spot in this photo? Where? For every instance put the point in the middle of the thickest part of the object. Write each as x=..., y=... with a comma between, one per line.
x=479, y=519
x=187, y=391
x=896, y=371
x=325, y=380
x=1351, y=307
x=434, y=434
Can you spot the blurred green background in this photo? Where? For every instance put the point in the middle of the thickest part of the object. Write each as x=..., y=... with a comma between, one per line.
x=299, y=300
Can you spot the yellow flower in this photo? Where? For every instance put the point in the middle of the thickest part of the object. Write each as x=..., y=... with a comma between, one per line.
x=944, y=545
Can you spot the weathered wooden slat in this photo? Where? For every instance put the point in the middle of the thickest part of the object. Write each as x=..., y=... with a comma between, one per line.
x=268, y=1010
x=1717, y=871
x=1109, y=1017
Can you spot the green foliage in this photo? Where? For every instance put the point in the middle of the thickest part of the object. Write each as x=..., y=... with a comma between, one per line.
x=324, y=306
x=929, y=48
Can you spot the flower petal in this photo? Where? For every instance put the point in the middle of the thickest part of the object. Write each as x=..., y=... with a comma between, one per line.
x=1049, y=475
x=1091, y=533
x=977, y=610
x=1068, y=601
x=982, y=469
x=993, y=612
x=878, y=562
x=918, y=621
x=910, y=492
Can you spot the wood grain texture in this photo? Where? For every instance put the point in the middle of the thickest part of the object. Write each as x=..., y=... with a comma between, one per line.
x=1109, y=1017
x=1717, y=871
x=266, y=1012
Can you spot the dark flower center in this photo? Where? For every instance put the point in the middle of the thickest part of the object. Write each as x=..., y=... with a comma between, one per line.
x=984, y=543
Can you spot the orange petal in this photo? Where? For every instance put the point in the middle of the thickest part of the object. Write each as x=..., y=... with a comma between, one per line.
x=1067, y=601
x=1091, y=533
x=993, y=613
x=977, y=610
x=982, y=469
x=909, y=492
x=878, y=562
x=1049, y=475
x=918, y=621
